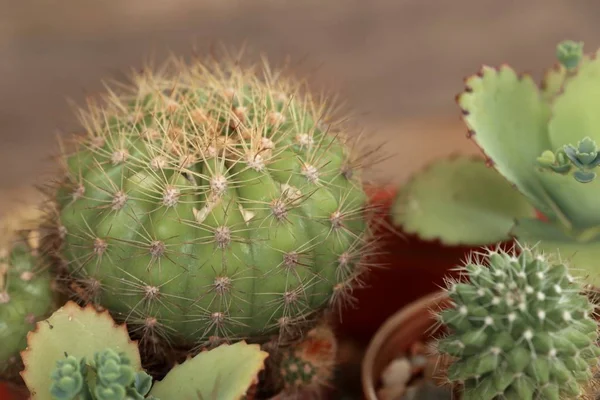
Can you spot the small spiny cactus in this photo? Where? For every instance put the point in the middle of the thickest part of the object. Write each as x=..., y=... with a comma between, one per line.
x=26, y=287
x=308, y=366
x=208, y=201
x=520, y=328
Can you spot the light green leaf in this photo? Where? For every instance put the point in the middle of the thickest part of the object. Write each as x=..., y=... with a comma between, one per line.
x=78, y=332
x=224, y=373
x=582, y=256
x=552, y=82
x=575, y=111
x=509, y=118
x=460, y=201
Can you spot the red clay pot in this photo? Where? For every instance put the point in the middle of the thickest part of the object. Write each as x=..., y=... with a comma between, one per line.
x=411, y=268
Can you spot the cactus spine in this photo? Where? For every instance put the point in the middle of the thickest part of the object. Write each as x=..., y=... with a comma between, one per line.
x=209, y=201
x=520, y=328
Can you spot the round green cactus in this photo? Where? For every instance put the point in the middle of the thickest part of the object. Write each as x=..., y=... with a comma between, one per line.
x=26, y=287
x=211, y=201
x=519, y=328
x=543, y=140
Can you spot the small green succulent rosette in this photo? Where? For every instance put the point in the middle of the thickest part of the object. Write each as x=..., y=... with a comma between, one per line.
x=544, y=140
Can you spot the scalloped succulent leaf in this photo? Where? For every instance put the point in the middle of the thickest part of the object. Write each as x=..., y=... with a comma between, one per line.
x=552, y=82
x=225, y=373
x=575, y=195
x=574, y=112
x=582, y=255
x=78, y=332
x=508, y=117
x=460, y=200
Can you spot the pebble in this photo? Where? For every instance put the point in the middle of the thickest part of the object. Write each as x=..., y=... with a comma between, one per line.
x=395, y=378
x=410, y=377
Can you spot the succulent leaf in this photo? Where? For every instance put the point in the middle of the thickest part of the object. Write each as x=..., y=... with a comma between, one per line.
x=460, y=201
x=79, y=333
x=508, y=117
x=574, y=115
x=225, y=372
x=552, y=83
x=583, y=254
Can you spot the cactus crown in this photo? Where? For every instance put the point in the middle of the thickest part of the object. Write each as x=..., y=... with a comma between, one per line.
x=519, y=328
x=209, y=201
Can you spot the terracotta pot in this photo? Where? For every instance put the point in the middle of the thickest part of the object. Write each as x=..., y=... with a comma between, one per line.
x=10, y=392
x=411, y=324
x=410, y=268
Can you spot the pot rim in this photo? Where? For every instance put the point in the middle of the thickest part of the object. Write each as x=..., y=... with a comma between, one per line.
x=383, y=333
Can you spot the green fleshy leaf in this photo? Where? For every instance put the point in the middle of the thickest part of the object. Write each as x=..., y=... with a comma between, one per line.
x=575, y=111
x=584, y=176
x=460, y=201
x=575, y=195
x=582, y=255
x=224, y=373
x=575, y=117
x=509, y=119
x=553, y=81
x=78, y=332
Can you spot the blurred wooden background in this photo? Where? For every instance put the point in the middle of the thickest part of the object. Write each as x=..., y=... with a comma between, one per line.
x=399, y=63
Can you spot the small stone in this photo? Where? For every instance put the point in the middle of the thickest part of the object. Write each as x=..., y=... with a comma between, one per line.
x=397, y=373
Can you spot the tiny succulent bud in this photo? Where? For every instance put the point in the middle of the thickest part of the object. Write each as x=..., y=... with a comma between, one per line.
x=558, y=162
x=569, y=53
x=67, y=379
x=585, y=157
x=113, y=378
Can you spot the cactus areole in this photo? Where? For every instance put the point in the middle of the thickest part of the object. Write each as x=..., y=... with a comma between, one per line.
x=210, y=201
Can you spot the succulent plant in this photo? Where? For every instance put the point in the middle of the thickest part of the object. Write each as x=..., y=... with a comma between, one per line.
x=109, y=376
x=210, y=202
x=543, y=141
x=80, y=353
x=519, y=327
x=26, y=286
x=62, y=348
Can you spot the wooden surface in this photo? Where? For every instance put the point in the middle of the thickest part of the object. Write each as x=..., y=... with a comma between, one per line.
x=399, y=63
